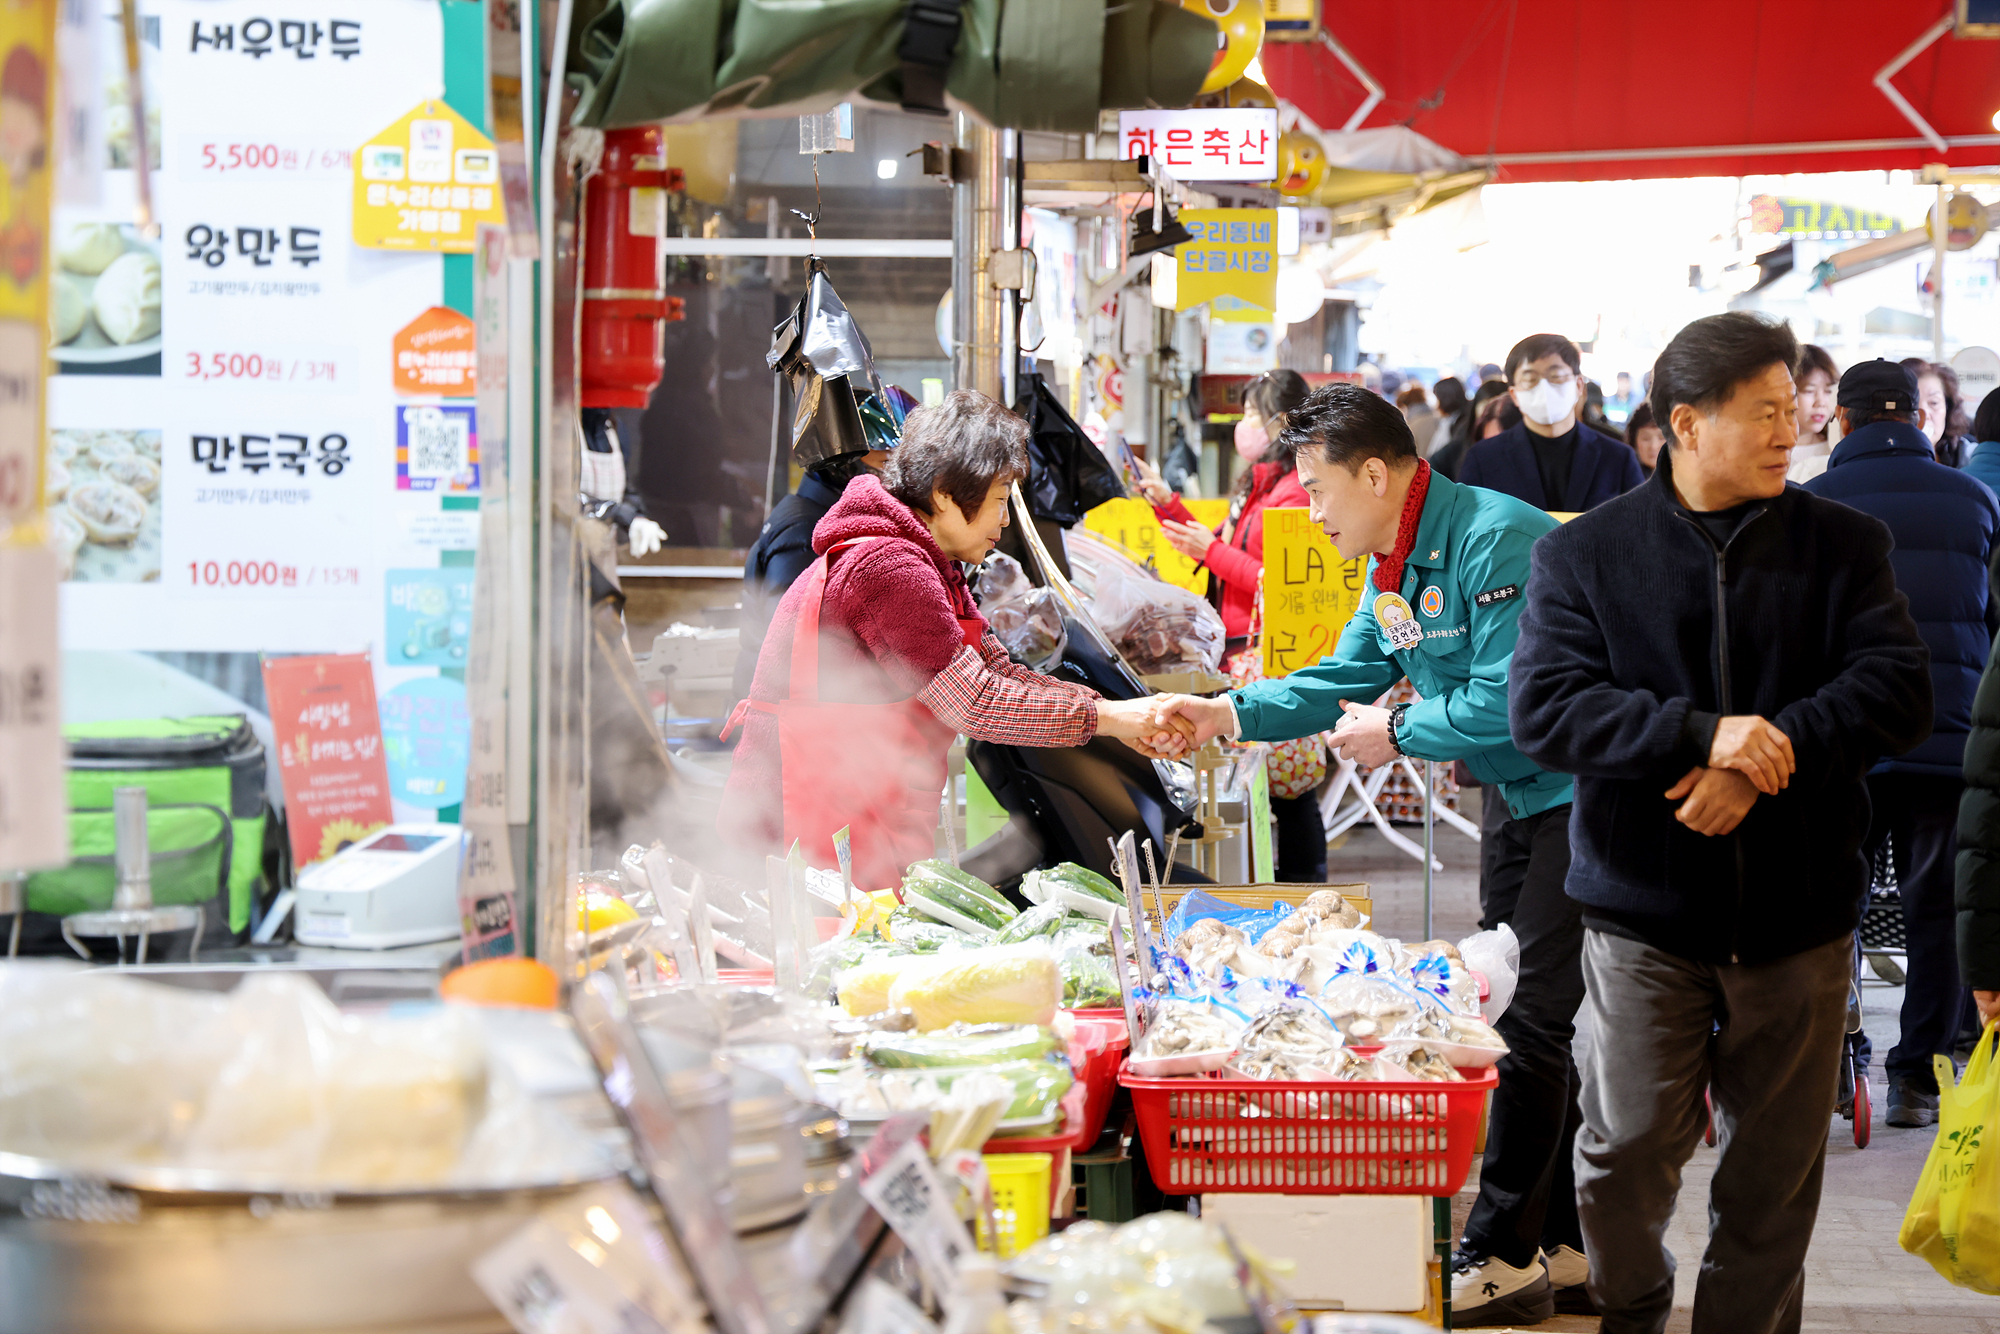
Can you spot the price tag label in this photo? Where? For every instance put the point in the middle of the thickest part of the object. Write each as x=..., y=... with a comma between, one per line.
x=906, y=1191
x=313, y=370
x=1309, y=591
x=292, y=157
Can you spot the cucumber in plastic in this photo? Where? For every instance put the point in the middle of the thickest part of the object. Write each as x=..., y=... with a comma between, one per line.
x=1042, y=920
x=1087, y=880
x=958, y=1045
x=933, y=871
x=953, y=895
x=979, y=919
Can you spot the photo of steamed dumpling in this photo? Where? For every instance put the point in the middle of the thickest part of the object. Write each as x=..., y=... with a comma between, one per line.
x=89, y=247
x=68, y=309
x=127, y=297
x=103, y=446
x=110, y=512
x=55, y=475
x=141, y=474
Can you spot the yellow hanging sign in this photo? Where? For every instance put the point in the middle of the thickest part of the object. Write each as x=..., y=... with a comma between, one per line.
x=1234, y=252
x=426, y=183
x=1309, y=591
x=1132, y=527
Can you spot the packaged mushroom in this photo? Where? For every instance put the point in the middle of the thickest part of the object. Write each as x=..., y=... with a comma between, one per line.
x=1186, y=1037
x=1366, y=1008
x=1414, y=1060
x=1467, y=1041
x=1290, y=1040
x=1327, y=908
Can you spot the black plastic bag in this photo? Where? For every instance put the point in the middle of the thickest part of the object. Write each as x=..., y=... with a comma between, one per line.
x=1068, y=476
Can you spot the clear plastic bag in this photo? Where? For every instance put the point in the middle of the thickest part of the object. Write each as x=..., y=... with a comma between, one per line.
x=1157, y=626
x=1028, y=620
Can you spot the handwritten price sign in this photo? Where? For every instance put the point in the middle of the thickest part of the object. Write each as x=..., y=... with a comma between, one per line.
x=1309, y=591
x=1132, y=527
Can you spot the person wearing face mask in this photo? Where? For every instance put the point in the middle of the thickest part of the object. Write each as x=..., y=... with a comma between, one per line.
x=877, y=659
x=1551, y=460
x=1819, y=425
x=1235, y=559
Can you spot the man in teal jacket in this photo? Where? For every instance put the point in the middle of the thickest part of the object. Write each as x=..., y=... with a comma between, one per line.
x=1440, y=606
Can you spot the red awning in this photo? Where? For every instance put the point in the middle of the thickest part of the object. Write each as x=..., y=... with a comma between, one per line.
x=1613, y=89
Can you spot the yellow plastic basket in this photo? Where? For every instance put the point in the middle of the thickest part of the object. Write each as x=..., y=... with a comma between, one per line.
x=1020, y=1200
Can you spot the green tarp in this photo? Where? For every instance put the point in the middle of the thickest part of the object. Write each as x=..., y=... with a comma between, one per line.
x=1021, y=64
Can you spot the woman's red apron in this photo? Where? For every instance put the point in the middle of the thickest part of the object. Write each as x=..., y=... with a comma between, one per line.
x=876, y=769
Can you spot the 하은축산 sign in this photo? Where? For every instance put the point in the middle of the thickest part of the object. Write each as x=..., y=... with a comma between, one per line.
x=1204, y=143
x=1309, y=591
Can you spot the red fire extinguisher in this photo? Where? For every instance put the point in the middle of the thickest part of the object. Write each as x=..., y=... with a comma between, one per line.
x=624, y=298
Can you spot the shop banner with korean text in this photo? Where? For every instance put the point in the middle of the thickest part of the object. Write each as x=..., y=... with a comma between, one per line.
x=1234, y=252
x=1309, y=591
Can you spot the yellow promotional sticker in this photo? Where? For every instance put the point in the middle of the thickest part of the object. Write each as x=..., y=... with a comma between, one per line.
x=1393, y=614
x=1309, y=591
x=426, y=183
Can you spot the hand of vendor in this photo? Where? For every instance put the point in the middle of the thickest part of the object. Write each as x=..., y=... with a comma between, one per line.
x=1151, y=485
x=1753, y=747
x=1716, y=800
x=1207, y=718
x=1989, y=1006
x=1143, y=725
x=1190, y=539
x=1363, y=736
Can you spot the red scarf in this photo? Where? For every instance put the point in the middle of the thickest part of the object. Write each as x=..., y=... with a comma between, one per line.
x=1389, y=568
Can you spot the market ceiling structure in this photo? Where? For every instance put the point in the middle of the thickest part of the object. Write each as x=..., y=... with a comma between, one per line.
x=1568, y=90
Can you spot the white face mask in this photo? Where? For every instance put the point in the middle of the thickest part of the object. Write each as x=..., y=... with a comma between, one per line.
x=1547, y=403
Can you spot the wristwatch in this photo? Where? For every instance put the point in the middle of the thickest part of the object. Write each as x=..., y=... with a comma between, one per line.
x=1396, y=713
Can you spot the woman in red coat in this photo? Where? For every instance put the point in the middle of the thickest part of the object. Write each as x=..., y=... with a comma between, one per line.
x=1235, y=558
x=877, y=658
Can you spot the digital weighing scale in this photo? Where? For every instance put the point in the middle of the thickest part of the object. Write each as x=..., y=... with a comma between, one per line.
x=399, y=886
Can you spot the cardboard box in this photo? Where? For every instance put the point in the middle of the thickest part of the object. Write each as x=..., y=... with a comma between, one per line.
x=1352, y=1252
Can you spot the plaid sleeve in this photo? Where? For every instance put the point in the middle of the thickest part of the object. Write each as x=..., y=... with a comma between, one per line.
x=995, y=653
x=991, y=706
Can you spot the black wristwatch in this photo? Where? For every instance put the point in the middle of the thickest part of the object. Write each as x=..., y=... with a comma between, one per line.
x=1396, y=713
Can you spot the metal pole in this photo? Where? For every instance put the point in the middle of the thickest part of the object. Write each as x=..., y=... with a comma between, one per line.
x=964, y=252
x=989, y=177
x=1009, y=302
x=1940, y=231
x=1430, y=888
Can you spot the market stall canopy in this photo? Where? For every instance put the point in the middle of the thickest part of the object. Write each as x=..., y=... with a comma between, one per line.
x=1024, y=64
x=1615, y=89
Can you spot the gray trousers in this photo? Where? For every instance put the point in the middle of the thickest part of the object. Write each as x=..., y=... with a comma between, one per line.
x=1765, y=1038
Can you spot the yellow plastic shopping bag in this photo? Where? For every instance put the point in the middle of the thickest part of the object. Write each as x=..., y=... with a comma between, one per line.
x=1954, y=1216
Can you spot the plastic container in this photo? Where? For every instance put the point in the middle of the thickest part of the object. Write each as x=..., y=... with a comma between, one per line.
x=1021, y=1195
x=1099, y=1071
x=1346, y=1138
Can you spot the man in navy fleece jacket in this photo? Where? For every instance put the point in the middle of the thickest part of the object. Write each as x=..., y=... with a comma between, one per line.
x=1718, y=658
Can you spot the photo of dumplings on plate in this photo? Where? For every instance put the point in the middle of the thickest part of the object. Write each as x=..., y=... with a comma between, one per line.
x=105, y=300
x=104, y=504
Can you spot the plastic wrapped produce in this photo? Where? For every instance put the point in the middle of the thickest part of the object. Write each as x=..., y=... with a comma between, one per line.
x=1026, y=619
x=1366, y=1008
x=1289, y=1040
x=1044, y=919
x=868, y=1092
x=960, y=1044
x=864, y=988
x=1187, y=1037
x=1090, y=981
x=1414, y=1060
x=1159, y=627
x=1003, y=984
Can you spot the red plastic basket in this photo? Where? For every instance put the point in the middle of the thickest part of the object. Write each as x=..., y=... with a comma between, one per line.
x=1253, y=1136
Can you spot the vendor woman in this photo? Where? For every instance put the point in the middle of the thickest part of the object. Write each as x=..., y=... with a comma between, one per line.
x=877, y=658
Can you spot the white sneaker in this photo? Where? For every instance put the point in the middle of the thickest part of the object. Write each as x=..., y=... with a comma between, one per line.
x=1568, y=1270
x=1489, y=1291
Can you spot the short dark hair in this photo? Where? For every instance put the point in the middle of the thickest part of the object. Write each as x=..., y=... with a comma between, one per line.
x=1536, y=346
x=960, y=447
x=1641, y=418
x=1708, y=358
x=1348, y=424
x=1275, y=393
x=1450, y=395
x=1986, y=421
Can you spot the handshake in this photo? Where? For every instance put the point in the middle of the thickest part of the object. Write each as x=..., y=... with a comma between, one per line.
x=1165, y=727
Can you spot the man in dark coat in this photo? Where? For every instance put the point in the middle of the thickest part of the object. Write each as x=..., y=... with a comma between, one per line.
x=1944, y=522
x=1551, y=460
x=1719, y=659
x=1978, y=898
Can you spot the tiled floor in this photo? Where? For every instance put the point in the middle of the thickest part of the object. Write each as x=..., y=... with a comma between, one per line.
x=1857, y=1278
